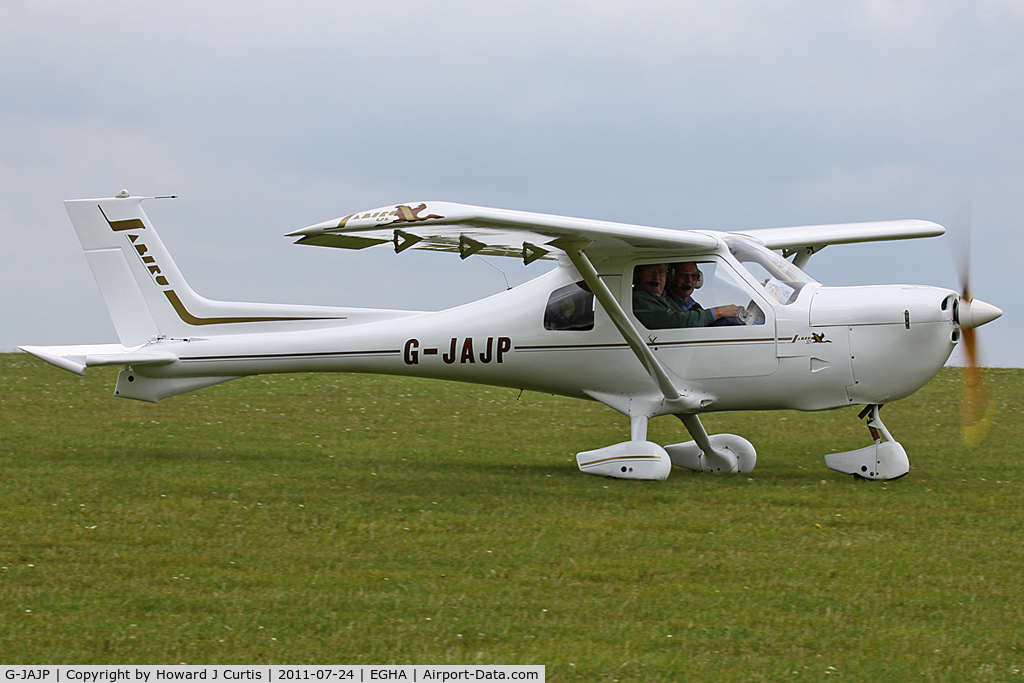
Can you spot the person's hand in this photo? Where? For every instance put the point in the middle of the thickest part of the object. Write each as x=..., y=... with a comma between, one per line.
x=727, y=311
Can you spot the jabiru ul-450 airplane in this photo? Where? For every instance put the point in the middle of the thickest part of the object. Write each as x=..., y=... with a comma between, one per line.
x=649, y=321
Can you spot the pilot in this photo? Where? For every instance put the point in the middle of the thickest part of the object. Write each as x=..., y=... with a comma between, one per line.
x=656, y=309
x=683, y=278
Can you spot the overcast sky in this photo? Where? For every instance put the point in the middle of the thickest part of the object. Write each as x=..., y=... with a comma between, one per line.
x=265, y=117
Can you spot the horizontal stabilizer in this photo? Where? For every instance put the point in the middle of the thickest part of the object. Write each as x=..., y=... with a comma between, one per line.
x=77, y=359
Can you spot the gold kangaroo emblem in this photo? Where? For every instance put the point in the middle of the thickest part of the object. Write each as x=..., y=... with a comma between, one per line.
x=409, y=215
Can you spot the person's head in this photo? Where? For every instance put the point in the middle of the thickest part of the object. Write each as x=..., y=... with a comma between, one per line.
x=686, y=277
x=651, y=277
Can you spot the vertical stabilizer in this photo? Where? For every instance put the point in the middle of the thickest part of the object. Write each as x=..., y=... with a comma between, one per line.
x=129, y=263
x=144, y=291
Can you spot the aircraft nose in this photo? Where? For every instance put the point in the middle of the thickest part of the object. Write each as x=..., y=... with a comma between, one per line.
x=975, y=313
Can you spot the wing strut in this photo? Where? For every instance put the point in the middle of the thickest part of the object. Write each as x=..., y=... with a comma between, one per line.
x=574, y=250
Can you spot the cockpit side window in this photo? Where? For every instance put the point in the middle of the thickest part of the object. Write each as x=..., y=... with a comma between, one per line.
x=570, y=308
x=690, y=294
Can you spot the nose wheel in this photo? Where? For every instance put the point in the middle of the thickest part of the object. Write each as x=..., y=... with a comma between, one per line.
x=885, y=459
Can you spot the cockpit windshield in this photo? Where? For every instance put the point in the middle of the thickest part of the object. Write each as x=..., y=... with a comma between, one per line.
x=780, y=278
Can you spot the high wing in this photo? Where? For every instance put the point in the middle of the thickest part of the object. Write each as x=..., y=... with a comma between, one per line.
x=807, y=239
x=468, y=230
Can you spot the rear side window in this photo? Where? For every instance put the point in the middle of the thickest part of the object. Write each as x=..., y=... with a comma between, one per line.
x=570, y=308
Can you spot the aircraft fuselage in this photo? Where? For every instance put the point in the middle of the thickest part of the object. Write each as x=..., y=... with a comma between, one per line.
x=887, y=351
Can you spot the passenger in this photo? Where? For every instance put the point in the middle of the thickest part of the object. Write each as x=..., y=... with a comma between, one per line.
x=686, y=277
x=657, y=310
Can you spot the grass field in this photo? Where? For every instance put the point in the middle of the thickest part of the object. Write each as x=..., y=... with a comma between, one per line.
x=370, y=520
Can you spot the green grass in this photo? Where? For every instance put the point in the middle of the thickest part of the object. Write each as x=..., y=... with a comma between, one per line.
x=373, y=520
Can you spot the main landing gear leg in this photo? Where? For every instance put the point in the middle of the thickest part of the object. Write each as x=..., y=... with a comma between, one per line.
x=885, y=459
x=719, y=453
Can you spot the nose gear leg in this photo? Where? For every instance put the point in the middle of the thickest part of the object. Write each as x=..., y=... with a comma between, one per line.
x=885, y=459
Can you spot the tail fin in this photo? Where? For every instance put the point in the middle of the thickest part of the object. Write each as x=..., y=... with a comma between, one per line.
x=144, y=291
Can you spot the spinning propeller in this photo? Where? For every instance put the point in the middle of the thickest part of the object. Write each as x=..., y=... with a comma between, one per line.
x=976, y=408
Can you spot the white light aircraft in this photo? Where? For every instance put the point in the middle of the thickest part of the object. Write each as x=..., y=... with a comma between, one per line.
x=599, y=326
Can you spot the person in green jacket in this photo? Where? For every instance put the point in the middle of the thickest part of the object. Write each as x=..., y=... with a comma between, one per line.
x=657, y=310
